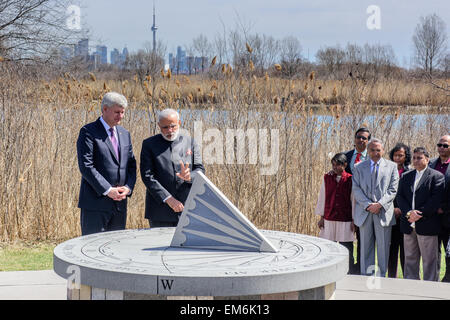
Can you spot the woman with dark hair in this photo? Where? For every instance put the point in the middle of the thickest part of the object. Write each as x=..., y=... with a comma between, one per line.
x=401, y=155
x=334, y=205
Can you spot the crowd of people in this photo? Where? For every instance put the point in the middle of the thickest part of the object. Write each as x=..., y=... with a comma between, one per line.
x=397, y=207
x=387, y=206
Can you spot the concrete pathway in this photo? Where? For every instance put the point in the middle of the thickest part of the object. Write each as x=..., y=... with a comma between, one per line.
x=47, y=285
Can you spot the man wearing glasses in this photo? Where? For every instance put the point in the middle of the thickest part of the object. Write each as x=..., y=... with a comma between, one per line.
x=169, y=163
x=355, y=156
x=359, y=153
x=441, y=164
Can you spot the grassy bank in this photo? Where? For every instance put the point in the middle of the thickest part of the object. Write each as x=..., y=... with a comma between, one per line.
x=22, y=256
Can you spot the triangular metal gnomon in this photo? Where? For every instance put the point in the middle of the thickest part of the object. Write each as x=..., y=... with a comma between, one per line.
x=210, y=221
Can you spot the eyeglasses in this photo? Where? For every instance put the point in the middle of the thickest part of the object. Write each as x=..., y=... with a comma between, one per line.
x=171, y=126
x=361, y=137
x=440, y=145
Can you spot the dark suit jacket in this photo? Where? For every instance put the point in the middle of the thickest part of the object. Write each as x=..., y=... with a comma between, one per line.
x=349, y=155
x=100, y=169
x=427, y=200
x=159, y=165
x=445, y=205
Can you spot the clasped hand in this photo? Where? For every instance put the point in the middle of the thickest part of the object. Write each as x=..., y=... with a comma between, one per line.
x=414, y=215
x=374, y=208
x=118, y=193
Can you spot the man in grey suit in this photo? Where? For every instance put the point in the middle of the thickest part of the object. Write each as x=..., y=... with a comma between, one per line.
x=108, y=168
x=375, y=183
x=169, y=164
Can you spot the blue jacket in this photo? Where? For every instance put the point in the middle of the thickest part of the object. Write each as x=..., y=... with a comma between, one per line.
x=100, y=169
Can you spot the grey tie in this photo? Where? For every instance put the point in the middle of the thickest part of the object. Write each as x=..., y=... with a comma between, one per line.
x=374, y=180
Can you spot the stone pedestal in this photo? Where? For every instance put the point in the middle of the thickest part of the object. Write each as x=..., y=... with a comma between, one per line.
x=140, y=264
x=89, y=293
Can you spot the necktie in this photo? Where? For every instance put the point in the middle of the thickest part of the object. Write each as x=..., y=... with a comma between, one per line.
x=374, y=179
x=114, y=142
x=358, y=157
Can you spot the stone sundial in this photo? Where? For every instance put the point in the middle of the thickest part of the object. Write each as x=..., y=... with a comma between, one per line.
x=215, y=251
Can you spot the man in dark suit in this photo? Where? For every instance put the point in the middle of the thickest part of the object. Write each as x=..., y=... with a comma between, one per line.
x=166, y=162
x=419, y=196
x=359, y=153
x=442, y=164
x=108, y=168
x=355, y=156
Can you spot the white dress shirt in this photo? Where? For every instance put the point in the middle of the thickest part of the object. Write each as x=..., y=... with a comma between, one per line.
x=419, y=175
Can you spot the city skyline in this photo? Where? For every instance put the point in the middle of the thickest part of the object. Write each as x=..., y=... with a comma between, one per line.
x=315, y=25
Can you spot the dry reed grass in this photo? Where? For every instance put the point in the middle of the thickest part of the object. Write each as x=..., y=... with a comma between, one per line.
x=40, y=122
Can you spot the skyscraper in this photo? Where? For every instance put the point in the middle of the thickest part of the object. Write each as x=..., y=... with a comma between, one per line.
x=102, y=52
x=82, y=48
x=115, y=57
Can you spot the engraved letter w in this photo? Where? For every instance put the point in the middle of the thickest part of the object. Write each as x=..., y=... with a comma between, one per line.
x=167, y=284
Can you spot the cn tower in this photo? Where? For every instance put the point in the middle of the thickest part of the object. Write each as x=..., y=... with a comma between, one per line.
x=154, y=28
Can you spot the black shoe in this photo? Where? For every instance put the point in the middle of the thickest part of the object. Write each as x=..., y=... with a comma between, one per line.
x=446, y=277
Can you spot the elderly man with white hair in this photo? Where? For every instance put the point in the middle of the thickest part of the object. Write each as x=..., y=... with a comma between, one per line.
x=108, y=168
x=169, y=163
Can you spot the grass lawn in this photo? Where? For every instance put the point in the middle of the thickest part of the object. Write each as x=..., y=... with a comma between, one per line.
x=22, y=256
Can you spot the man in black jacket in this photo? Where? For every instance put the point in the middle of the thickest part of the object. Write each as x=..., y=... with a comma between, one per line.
x=419, y=196
x=108, y=168
x=355, y=156
x=442, y=164
x=169, y=164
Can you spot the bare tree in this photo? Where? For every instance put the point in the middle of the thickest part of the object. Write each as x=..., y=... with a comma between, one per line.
x=202, y=47
x=430, y=42
x=332, y=59
x=34, y=28
x=147, y=62
x=290, y=55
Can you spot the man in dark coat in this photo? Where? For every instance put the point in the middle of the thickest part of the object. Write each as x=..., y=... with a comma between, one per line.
x=169, y=163
x=442, y=164
x=419, y=196
x=108, y=168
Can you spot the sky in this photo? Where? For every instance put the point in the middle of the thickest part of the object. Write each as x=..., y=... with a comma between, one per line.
x=315, y=23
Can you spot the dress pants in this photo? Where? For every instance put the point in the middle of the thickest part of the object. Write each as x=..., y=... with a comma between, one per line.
x=371, y=233
x=349, y=246
x=394, y=250
x=443, y=238
x=162, y=224
x=93, y=221
x=415, y=247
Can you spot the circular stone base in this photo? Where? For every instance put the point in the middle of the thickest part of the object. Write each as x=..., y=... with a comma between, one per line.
x=137, y=264
x=88, y=293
